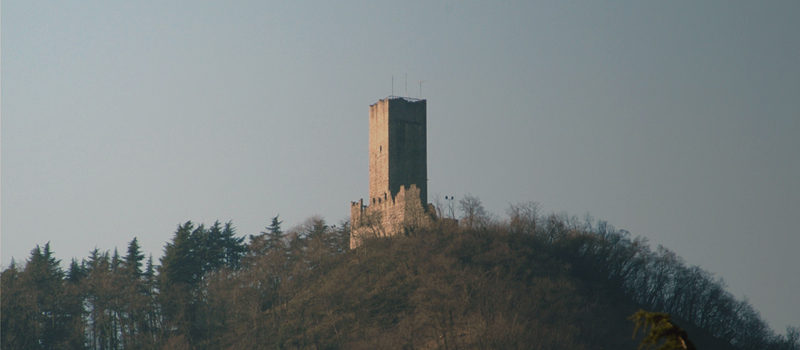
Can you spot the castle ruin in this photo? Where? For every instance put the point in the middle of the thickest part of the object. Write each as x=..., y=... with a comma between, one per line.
x=398, y=171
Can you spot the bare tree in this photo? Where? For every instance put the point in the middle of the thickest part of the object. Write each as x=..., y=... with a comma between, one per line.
x=523, y=217
x=792, y=338
x=438, y=204
x=474, y=215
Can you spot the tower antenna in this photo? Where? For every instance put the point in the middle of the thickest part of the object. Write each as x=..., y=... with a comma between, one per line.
x=420, y=88
x=392, y=85
x=406, y=84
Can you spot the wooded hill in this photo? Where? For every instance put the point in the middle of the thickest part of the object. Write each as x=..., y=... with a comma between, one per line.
x=528, y=282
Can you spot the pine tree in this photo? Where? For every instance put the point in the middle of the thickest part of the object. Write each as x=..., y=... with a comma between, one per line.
x=49, y=314
x=16, y=318
x=180, y=263
x=134, y=258
x=76, y=272
x=274, y=234
x=220, y=247
x=234, y=247
x=182, y=268
x=272, y=239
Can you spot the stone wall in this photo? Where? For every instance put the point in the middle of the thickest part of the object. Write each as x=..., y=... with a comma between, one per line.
x=382, y=218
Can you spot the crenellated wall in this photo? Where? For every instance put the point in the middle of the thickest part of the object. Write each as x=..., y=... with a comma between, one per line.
x=383, y=218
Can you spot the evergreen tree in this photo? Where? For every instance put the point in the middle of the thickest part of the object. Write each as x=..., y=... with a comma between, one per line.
x=274, y=234
x=179, y=272
x=222, y=248
x=47, y=315
x=180, y=263
x=134, y=258
x=136, y=303
x=116, y=261
x=152, y=320
x=193, y=253
x=272, y=239
x=76, y=272
x=17, y=316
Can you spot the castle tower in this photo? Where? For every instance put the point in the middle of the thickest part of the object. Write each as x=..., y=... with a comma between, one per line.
x=398, y=170
x=397, y=147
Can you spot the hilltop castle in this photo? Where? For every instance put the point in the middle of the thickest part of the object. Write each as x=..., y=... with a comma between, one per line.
x=398, y=171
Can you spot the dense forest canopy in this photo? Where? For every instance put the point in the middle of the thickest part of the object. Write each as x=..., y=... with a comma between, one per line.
x=529, y=281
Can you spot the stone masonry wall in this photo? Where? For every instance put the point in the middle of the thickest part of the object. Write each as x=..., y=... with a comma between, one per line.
x=383, y=218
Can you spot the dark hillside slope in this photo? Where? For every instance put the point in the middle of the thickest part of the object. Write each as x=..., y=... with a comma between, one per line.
x=446, y=289
x=472, y=290
x=529, y=283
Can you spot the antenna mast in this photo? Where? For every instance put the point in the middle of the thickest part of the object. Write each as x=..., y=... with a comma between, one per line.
x=420, y=88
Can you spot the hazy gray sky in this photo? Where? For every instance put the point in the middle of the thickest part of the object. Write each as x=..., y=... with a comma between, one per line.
x=676, y=121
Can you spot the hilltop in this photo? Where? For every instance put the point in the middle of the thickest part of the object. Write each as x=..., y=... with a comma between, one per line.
x=530, y=282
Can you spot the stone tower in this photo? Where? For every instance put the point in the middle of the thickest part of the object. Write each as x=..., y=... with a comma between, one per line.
x=397, y=147
x=398, y=170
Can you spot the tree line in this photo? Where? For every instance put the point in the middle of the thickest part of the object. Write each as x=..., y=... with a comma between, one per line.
x=527, y=281
x=658, y=280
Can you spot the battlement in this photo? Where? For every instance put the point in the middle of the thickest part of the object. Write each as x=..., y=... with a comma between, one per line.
x=395, y=97
x=382, y=218
x=386, y=202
